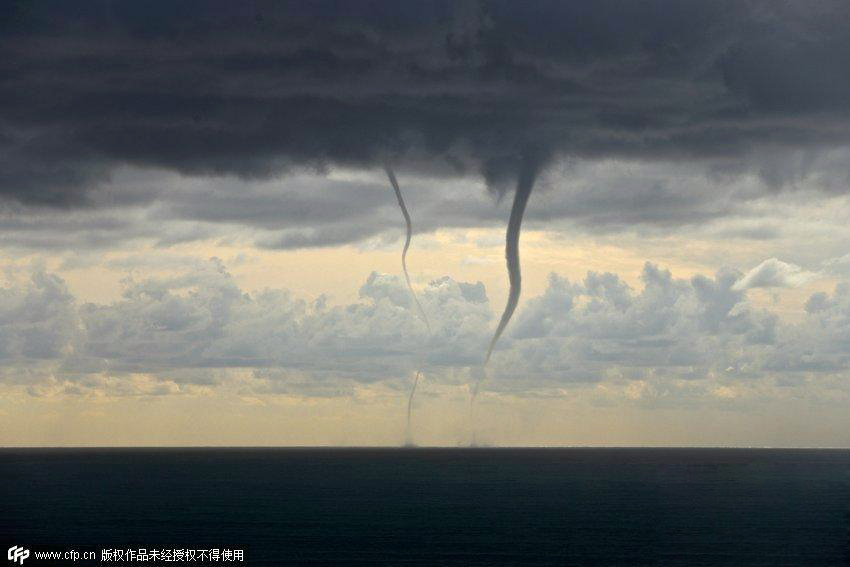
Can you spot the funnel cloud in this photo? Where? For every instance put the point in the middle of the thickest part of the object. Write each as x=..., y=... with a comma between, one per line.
x=408, y=235
x=525, y=183
x=529, y=169
x=407, y=238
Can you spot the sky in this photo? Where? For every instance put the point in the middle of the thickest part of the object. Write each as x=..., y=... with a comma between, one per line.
x=200, y=245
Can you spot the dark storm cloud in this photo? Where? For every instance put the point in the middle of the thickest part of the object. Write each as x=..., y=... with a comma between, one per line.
x=254, y=89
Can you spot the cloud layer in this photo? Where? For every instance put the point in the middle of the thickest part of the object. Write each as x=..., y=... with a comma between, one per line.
x=671, y=336
x=449, y=88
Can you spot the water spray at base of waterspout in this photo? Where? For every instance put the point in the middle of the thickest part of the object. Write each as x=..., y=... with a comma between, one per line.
x=408, y=435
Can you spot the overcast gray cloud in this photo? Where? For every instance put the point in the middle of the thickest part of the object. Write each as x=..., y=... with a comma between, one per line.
x=306, y=209
x=446, y=89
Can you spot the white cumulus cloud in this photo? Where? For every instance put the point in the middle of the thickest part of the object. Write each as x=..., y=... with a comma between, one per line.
x=774, y=273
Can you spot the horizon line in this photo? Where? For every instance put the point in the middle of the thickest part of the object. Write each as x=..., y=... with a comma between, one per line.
x=415, y=447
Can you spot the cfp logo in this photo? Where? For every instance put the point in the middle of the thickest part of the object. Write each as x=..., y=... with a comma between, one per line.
x=17, y=554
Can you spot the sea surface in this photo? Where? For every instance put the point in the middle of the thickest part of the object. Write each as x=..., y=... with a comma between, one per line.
x=630, y=507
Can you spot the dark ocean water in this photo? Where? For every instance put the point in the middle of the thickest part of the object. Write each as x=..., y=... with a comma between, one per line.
x=626, y=507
